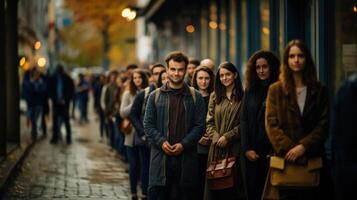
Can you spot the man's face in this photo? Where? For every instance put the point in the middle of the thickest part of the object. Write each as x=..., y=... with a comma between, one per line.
x=156, y=72
x=190, y=69
x=176, y=72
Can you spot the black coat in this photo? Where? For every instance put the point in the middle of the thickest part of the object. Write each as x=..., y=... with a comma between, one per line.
x=68, y=88
x=344, y=138
x=253, y=132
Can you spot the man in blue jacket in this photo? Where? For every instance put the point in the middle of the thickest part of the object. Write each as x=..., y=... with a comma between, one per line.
x=174, y=122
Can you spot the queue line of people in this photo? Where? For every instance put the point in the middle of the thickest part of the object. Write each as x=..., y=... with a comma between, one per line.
x=178, y=120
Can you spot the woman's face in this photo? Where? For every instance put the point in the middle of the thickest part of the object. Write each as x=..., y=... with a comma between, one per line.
x=203, y=80
x=138, y=80
x=164, y=78
x=296, y=59
x=227, y=77
x=262, y=68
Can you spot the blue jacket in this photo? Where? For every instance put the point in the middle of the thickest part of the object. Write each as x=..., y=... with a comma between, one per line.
x=156, y=121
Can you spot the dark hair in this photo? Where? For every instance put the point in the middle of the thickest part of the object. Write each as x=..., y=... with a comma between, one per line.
x=60, y=69
x=309, y=76
x=176, y=56
x=156, y=65
x=211, y=76
x=131, y=66
x=251, y=77
x=159, y=81
x=220, y=89
x=194, y=62
x=132, y=87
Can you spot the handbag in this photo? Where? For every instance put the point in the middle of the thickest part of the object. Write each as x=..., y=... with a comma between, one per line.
x=126, y=126
x=220, y=172
x=285, y=174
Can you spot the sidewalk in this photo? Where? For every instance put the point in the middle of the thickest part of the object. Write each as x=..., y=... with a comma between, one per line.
x=86, y=169
x=15, y=154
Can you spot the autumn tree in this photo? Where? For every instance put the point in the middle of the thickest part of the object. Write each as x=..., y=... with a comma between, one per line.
x=105, y=16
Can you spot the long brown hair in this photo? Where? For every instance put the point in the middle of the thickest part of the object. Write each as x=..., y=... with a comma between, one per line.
x=220, y=89
x=309, y=76
x=251, y=76
x=132, y=87
x=211, y=76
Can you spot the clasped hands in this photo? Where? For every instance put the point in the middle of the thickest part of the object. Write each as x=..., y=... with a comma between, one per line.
x=172, y=150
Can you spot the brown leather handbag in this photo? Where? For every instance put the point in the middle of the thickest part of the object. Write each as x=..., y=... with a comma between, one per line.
x=126, y=126
x=285, y=174
x=220, y=172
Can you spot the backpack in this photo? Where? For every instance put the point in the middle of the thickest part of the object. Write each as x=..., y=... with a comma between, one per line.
x=146, y=96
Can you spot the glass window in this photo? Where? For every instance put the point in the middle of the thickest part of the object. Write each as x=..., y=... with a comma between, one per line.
x=232, y=31
x=244, y=34
x=265, y=29
x=222, y=28
x=213, y=30
x=345, y=43
x=204, y=31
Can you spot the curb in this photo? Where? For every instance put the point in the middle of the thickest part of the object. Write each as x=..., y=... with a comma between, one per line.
x=10, y=165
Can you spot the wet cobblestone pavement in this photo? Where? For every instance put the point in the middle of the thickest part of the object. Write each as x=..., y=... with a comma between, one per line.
x=86, y=169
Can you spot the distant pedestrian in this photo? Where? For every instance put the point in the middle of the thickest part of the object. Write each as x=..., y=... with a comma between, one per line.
x=36, y=99
x=192, y=65
x=61, y=91
x=82, y=91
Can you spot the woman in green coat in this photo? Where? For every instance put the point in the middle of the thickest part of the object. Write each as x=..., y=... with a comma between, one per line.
x=223, y=126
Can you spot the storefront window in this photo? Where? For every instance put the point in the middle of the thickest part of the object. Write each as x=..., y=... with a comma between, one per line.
x=265, y=29
x=244, y=35
x=223, y=28
x=204, y=31
x=345, y=46
x=213, y=26
x=232, y=31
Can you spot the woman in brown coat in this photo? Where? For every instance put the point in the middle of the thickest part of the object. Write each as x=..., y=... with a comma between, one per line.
x=297, y=114
x=223, y=126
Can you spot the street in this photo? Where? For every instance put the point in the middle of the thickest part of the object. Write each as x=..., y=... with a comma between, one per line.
x=86, y=169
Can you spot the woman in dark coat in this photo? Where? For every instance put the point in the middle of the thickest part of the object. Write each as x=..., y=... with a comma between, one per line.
x=297, y=116
x=262, y=70
x=223, y=127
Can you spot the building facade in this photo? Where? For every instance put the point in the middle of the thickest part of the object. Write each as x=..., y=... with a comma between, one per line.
x=232, y=30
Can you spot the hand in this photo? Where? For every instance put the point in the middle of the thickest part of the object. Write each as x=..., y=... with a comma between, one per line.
x=295, y=152
x=177, y=149
x=167, y=148
x=251, y=155
x=222, y=141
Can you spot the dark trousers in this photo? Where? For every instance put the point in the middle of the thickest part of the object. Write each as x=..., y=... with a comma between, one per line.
x=256, y=174
x=36, y=113
x=83, y=108
x=101, y=121
x=202, y=166
x=173, y=190
x=61, y=114
x=139, y=157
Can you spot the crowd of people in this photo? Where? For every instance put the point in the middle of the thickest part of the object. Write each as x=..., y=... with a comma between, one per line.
x=172, y=121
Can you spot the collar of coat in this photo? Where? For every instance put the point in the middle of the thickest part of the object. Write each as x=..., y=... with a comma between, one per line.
x=185, y=88
x=309, y=102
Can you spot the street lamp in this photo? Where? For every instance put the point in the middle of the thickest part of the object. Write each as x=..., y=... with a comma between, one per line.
x=129, y=13
x=37, y=45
